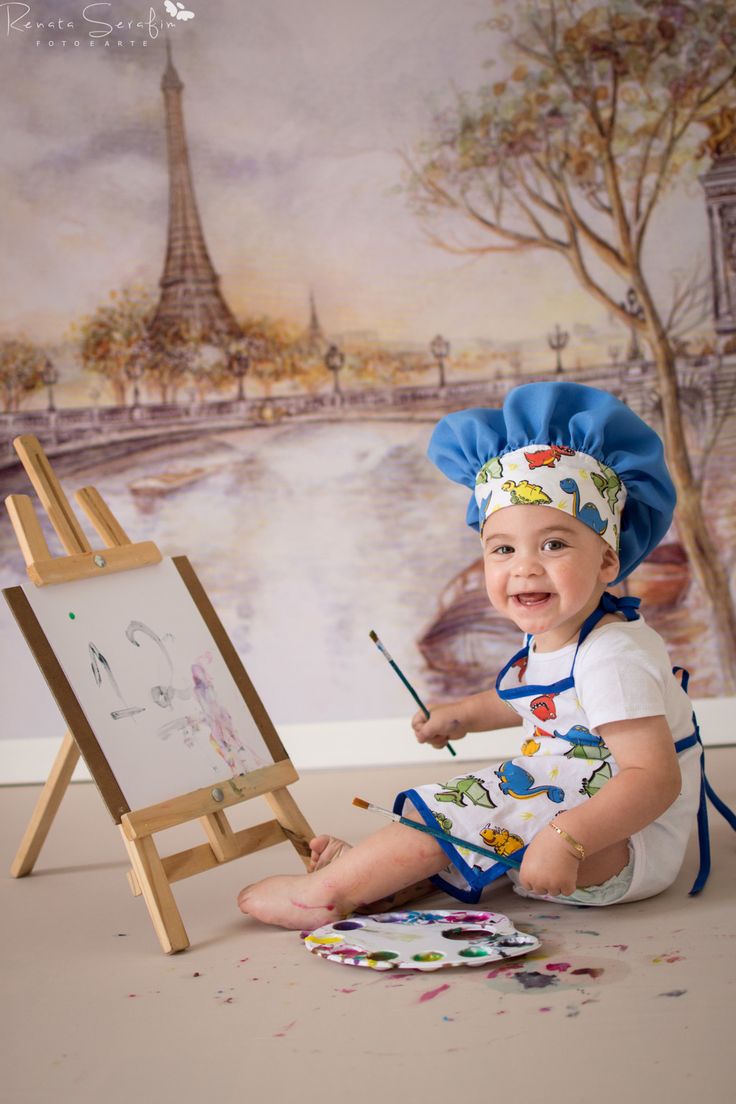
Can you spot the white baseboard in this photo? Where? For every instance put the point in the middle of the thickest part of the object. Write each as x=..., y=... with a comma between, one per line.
x=354, y=744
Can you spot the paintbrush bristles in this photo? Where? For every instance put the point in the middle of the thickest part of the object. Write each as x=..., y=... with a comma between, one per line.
x=373, y=636
x=361, y=803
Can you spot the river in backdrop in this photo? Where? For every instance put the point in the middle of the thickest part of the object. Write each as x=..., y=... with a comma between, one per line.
x=306, y=536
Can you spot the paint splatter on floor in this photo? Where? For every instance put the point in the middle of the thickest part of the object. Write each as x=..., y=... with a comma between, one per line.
x=532, y=979
x=288, y=1027
x=589, y=971
x=558, y=967
x=673, y=993
x=432, y=993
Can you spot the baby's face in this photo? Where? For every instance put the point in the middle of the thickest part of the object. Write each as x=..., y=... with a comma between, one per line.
x=545, y=570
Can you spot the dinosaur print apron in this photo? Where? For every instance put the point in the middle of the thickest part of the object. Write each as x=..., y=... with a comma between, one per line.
x=562, y=764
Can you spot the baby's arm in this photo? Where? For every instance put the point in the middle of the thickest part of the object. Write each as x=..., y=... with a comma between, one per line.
x=476, y=713
x=647, y=783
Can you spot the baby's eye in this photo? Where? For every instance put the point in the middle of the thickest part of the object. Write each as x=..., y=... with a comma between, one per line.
x=501, y=549
x=554, y=544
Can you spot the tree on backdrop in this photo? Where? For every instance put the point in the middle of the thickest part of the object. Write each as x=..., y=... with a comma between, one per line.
x=113, y=339
x=21, y=371
x=572, y=152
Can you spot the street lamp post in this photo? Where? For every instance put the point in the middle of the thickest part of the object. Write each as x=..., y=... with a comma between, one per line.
x=439, y=347
x=634, y=310
x=557, y=342
x=50, y=377
x=134, y=371
x=334, y=360
x=240, y=354
x=238, y=362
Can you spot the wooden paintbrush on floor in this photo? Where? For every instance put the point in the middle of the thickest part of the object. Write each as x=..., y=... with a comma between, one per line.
x=506, y=860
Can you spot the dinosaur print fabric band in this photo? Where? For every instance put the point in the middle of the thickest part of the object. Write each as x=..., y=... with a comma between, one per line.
x=556, y=476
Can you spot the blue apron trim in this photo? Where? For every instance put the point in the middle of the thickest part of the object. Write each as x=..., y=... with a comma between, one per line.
x=609, y=603
x=526, y=691
x=476, y=879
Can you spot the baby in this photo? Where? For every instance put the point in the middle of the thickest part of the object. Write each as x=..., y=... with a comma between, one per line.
x=570, y=493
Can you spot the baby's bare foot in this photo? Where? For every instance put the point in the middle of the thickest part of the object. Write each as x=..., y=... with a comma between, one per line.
x=324, y=850
x=290, y=901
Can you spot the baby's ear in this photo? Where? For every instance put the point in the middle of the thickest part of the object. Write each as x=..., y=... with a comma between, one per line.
x=610, y=565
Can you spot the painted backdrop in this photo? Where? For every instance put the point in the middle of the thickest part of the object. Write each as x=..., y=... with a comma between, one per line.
x=254, y=250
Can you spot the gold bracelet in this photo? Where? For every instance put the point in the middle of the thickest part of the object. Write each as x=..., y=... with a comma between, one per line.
x=566, y=836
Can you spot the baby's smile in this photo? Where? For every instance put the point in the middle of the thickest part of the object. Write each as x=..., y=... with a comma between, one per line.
x=532, y=599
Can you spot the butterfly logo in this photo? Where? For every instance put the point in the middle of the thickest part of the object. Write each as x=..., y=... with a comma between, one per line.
x=178, y=10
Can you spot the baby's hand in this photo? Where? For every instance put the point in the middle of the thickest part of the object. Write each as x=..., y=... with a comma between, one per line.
x=549, y=867
x=443, y=725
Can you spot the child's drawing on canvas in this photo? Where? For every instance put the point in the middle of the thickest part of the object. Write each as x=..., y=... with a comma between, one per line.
x=152, y=684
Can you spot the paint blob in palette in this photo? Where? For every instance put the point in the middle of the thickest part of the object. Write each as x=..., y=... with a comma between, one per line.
x=420, y=940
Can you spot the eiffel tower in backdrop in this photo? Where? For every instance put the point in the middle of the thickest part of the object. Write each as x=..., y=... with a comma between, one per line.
x=314, y=341
x=190, y=300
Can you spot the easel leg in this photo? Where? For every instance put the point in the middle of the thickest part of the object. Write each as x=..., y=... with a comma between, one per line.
x=167, y=921
x=289, y=816
x=47, y=807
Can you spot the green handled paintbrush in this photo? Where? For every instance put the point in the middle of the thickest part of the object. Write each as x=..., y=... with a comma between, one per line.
x=382, y=649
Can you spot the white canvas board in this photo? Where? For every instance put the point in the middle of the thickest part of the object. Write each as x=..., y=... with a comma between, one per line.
x=151, y=681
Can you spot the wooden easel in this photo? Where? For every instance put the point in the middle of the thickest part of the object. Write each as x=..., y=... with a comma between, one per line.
x=150, y=874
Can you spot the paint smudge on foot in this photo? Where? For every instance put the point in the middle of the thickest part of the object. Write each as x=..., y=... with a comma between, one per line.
x=432, y=993
x=311, y=908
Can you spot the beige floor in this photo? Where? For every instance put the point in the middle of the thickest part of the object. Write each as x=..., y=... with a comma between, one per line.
x=93, y=1011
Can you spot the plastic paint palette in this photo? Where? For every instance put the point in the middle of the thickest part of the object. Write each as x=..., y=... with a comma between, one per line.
x=420, y=940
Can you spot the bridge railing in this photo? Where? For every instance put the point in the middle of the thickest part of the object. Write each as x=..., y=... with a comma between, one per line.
x=68, y=428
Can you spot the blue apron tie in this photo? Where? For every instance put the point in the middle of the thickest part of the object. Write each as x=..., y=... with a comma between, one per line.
x=706, y=792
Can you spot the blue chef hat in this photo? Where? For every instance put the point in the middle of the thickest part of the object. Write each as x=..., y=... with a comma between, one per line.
x=571, y=416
